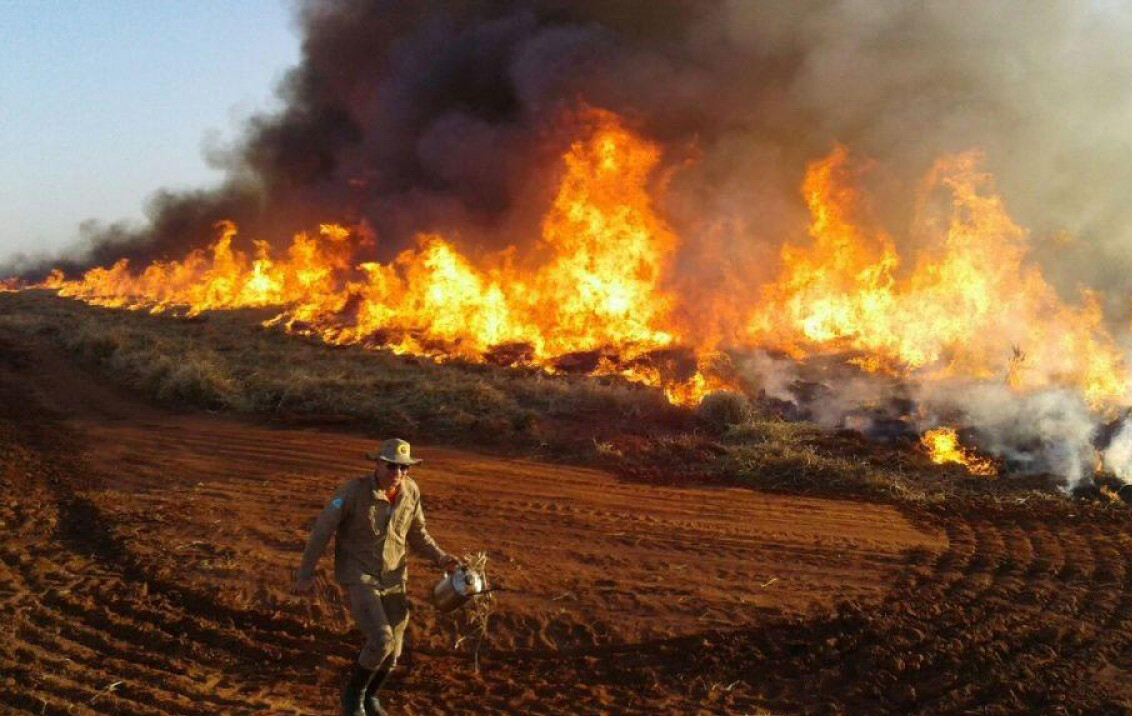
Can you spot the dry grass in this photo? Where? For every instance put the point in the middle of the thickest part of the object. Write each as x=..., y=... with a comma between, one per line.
x=471, y=623
x=226, y=361
x=723, y=410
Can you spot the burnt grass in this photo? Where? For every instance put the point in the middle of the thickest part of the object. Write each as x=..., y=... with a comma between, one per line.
x=228, y=361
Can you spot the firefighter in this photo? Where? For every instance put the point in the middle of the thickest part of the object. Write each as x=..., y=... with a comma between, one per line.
x=373, y=517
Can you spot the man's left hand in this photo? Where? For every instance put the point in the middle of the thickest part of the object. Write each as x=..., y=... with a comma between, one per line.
x=449, y=563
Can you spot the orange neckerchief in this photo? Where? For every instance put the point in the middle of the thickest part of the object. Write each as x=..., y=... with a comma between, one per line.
x=390, y=494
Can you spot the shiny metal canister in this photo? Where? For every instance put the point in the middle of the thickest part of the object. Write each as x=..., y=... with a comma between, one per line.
x=454, y=590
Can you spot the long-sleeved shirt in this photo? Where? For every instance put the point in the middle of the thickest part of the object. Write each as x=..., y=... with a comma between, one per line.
x=372, y=534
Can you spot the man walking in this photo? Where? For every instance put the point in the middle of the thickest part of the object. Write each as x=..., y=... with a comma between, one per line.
x=374, y=516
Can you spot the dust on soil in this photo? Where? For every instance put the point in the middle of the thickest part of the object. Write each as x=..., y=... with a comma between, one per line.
x=147, y=557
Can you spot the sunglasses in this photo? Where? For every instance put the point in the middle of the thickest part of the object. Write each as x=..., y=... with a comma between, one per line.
x=393, y=467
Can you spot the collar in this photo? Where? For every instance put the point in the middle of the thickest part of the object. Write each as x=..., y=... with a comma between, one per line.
x=381, y=494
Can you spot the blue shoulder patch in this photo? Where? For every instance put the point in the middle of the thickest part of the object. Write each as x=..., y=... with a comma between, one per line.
x=336, y=503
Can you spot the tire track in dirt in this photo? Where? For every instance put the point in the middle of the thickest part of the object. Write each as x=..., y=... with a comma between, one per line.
x=963, y=634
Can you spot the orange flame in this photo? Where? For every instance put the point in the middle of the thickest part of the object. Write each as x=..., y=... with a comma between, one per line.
x=971, y=306
x=598, y=287
x=943, y=447
x=220, y=278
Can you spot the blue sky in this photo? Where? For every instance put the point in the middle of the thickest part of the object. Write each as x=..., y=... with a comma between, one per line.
x=103, y=102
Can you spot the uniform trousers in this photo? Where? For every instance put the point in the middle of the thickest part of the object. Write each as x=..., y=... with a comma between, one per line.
x=382, y=616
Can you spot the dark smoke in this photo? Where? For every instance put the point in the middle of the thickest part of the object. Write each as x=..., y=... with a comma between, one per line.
x=408, y=116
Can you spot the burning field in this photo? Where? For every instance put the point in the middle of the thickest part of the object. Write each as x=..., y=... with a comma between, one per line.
x=971, y=335
x=580, y=189
x=886, y=285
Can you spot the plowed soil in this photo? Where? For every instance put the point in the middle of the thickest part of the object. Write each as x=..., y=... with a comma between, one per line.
x=147, y=557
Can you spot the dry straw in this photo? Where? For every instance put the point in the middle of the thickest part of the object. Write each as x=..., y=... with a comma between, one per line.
x=471, y=622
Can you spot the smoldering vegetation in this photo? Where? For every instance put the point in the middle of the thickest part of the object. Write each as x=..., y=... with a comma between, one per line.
x=1047, y=432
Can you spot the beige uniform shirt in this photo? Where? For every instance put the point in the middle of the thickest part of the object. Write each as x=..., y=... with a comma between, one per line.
x=371, y=534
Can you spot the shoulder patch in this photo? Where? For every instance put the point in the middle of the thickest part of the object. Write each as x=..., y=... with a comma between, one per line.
x=336, y=503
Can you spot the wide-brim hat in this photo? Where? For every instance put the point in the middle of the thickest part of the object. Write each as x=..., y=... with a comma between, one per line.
x=396, y=451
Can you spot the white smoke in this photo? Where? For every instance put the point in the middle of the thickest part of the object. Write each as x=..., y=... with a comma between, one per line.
x=1050, y=431
x=1118, y=456
x=771, y=375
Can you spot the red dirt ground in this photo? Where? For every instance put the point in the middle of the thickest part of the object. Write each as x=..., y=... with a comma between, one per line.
x=147, y=556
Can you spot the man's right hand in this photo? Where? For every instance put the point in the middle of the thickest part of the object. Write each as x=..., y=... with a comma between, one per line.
x=303, y=587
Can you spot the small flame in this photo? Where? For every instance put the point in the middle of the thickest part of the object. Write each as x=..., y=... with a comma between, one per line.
x=1110, y=494
x=943, y=447
x=221, y=277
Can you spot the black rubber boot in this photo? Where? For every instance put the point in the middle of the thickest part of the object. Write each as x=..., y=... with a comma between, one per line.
x=372, y=704
x=355, y=690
